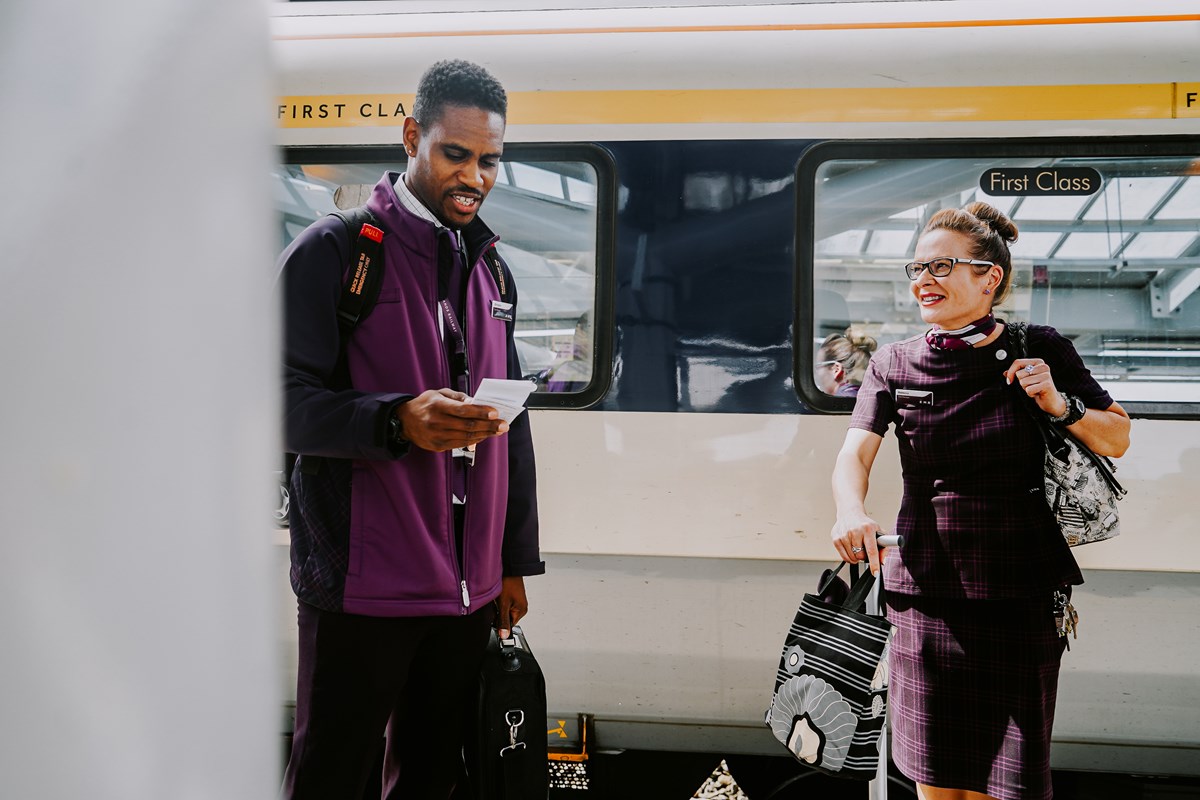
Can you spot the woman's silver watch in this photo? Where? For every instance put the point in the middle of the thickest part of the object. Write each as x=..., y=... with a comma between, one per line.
x=1073, y=413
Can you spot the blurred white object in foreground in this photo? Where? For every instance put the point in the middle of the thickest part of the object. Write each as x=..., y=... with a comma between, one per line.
x=138, y=405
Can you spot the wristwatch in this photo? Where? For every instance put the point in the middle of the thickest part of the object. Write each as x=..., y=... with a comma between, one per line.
x=1074, y=412
x=395, y=437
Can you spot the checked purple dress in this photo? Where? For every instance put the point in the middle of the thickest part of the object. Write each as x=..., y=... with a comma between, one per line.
x=975, y=656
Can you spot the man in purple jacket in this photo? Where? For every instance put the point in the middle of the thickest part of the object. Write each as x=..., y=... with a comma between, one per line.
x=414, y=514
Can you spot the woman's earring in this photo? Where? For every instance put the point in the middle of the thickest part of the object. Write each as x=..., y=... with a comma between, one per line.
x=987, y=291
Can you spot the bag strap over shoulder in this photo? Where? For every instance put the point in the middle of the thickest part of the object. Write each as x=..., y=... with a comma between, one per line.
x=1019, y=332
x=1056, y=438
x=492, y=258
x=361, y=290
x=359, y=293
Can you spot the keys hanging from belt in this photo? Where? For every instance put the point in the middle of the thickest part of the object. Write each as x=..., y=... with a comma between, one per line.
x=1066, y=618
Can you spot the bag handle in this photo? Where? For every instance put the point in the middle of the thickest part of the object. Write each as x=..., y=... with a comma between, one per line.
x=1055, y=437
x=1052, y=436
x=859, y=589
x=856, y=597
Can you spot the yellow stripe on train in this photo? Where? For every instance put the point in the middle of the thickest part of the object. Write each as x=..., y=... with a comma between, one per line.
x=684, y=106
x=1187, y=100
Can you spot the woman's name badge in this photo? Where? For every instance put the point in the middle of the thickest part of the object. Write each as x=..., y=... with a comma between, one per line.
x=913, y=398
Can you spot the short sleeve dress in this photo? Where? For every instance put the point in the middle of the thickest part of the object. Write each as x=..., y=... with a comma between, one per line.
x=975, y=657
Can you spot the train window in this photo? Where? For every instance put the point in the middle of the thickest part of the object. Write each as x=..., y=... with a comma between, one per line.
x=549, y=206
x=1108, y=253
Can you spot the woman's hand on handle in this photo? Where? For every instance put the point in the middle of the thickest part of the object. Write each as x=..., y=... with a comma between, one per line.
x=854, y=531
x=855, y=540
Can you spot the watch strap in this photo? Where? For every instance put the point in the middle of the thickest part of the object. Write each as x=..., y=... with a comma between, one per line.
x=396, y=443
x=1073, y=413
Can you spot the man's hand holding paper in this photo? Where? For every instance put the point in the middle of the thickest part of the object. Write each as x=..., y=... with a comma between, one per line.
x=507, y=397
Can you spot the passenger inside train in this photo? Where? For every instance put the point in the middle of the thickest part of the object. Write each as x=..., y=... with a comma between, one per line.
x=842, y=361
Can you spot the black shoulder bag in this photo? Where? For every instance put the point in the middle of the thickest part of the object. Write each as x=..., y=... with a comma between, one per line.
x=506, y=756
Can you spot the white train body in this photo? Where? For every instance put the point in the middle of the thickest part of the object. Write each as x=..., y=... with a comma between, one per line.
x=683, y=515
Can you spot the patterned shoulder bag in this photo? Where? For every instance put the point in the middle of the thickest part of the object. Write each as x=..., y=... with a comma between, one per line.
x=1080, y=486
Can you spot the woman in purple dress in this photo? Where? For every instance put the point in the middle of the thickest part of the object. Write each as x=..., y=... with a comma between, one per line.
x=975, y=655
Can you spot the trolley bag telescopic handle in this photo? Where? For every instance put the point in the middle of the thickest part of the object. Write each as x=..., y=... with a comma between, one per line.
x=877, y=789
x=890, y=540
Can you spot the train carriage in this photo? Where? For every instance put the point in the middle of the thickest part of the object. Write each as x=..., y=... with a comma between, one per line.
x=692, y=198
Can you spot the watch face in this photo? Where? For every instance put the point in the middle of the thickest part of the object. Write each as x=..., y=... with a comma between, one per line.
x=1075, y=410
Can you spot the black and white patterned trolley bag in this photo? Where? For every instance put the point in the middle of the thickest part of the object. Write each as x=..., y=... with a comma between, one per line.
x=830, y=697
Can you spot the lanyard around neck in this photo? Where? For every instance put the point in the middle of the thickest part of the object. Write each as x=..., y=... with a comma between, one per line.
x=459, y=366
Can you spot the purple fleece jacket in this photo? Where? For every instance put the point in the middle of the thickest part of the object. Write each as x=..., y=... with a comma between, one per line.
x=373, y=533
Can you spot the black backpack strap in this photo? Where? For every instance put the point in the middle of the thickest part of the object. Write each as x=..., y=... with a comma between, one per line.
x=359, y=294
x=503, y=282
x=361, y=290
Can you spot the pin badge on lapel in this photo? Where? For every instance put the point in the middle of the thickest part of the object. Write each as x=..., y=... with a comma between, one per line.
x=502, y=311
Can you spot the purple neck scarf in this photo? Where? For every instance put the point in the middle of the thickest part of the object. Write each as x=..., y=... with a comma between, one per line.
x=963, y=338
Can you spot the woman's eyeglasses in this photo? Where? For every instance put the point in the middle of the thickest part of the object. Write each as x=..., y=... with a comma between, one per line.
x=940, y=267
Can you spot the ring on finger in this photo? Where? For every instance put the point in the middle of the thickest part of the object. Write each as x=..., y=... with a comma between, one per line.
x=856, y=549
x=1029, y=367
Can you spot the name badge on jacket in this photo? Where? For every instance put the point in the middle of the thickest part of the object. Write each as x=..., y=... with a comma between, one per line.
x=502, y=310
x=914, y=398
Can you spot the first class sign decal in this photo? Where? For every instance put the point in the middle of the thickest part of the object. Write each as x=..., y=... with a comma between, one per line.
x=1040, y=181
x=342, y=110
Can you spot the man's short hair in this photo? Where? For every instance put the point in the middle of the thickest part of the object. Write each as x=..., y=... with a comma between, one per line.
x=457, y=83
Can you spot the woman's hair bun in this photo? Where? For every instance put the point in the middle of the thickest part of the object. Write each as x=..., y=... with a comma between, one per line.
x=994, y=219
x=860, y=340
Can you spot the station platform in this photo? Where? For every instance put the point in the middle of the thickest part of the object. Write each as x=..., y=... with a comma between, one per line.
x=635, y=775
x=644, y=775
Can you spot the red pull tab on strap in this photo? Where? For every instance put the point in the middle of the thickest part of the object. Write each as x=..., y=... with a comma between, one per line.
x=371, y=232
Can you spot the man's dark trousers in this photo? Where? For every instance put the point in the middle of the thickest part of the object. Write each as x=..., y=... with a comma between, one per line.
x=415, y=678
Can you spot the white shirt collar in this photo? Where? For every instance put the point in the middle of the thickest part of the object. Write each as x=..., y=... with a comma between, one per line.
x=412, y=204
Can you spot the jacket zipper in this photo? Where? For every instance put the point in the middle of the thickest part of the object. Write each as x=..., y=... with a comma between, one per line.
x=460, y=559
